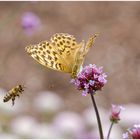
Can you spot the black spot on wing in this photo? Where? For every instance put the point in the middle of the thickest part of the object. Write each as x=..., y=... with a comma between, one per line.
x=60, y=66
x=63, y=37
x=73, y=44
x=69, y=38
x=52, y=63
x=66, y=46
x=58, y=44
x=50, y=47
x=39, y=52
x=37, y=57
x=55, y=58
x=61, y=43
x=44, y=46
x=54, y=53
x=41, y=48
x=59, y=37
x=49, y=57
x=44, y=53
x=56, y=66
x=68, y=42
x=48, y=51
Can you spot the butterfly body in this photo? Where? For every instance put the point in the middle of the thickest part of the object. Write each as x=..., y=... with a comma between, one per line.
x=61, y=53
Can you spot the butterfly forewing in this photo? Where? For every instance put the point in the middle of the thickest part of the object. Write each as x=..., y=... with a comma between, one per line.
x=46, y=55
x=65, y=44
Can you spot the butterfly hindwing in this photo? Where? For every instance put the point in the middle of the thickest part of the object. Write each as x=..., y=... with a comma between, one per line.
x=81, y=53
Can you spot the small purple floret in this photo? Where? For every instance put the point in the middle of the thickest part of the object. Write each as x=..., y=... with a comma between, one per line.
x=125, y=135
x=90, y=79
x=30, y=22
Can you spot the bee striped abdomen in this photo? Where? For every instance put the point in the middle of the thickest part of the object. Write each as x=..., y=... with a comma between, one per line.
x=7, y=97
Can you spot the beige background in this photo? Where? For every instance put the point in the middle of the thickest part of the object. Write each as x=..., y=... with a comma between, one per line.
x=116, y=49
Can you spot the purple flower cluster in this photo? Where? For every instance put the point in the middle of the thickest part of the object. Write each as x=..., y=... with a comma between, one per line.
x=90, y=79
x=133, y=133
x=115, y=113
x=30, y=22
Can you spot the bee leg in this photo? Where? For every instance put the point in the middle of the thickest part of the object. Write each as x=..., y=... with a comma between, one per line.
x=13, y=99
x=22, y=90
x=4, y=100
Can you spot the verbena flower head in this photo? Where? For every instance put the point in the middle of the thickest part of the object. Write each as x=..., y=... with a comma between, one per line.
x=90, y=79
x=30, y=22
x=115, y=113
x=133, y=133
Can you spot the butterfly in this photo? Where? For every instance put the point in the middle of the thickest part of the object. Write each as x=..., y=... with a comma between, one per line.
x=62, y=53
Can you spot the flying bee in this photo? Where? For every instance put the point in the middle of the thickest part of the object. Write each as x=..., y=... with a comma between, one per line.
x=13, y=93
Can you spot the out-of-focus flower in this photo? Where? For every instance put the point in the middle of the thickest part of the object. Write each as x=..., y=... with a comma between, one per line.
x=45, y=102
x=5, y=135
x=23, y=126
x=87, y=135
x=133, y=133
x=45, y=131
x=128, y=119
x=68, y=124
x=90, y=79
x=115, y=113
x=30, y=22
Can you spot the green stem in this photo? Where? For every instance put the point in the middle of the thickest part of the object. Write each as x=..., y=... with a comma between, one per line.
x=97, y=116
x=110, y=130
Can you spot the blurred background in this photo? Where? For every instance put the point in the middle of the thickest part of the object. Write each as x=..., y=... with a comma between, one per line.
x=51, y=107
